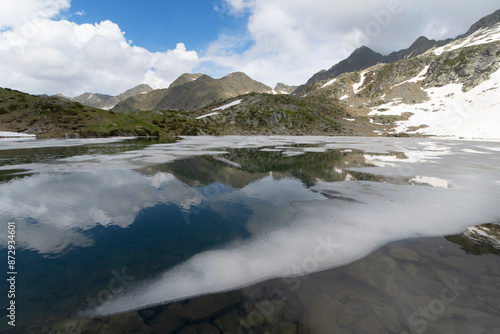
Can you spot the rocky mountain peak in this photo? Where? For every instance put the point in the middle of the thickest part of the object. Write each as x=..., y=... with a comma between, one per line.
x=485, y=22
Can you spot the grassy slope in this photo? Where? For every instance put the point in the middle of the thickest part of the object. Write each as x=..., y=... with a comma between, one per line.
x=258, y=114
x=287, y=115
x=55, y=117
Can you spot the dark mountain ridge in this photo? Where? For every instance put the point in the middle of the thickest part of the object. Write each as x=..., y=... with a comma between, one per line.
x=364, y=57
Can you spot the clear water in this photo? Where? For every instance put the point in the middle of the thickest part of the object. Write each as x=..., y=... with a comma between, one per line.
x=108, y=227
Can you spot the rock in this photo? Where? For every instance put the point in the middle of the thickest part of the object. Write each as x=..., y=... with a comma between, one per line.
x=207, y=306
x=320, y=316
x=369, y=324
x=401, y=253
x=188, y=329
x=125, y=323
x=207, y=328
x=228, y=323
x=350, y=313
x=287, y=328
x=388, y=316
x=378, y=271
x=411, y=269
x=147, y=313
x=264, y=311
x=168, y=321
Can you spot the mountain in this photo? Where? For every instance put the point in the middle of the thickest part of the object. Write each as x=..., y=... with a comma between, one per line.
x=185, y=78
x=360, y=59
x=141, y=89
x=486, y=22
x=55, y=117
x=197, y=92
x=103, y=101
x=364, y=57
x=281, y=88
x=272, y=114
x=449, y=90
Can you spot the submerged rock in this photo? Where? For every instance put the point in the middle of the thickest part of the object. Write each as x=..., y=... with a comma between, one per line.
x=379, y=272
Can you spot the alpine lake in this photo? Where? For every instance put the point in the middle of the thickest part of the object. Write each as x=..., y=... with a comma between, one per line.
x=263, y=234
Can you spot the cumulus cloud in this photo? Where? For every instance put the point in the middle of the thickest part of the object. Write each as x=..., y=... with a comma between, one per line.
x=292, y=39
x=42, y=54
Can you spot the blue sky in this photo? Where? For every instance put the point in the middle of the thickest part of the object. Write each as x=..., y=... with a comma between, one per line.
x=109, y=46
x=158, y=25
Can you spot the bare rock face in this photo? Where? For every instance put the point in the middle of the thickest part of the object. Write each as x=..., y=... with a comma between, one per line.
x=470, y=66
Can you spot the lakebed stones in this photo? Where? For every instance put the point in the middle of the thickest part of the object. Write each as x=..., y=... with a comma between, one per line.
x=401, y=253
x=207, y=306
x=355, y=299
x=379, y=271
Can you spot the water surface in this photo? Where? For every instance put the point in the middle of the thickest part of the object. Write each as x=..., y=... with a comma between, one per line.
x=115, y=226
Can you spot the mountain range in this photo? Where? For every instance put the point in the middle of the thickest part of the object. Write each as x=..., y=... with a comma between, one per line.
x=364, y=57
x=107, y=102
x=192, y=91
x=446, y=88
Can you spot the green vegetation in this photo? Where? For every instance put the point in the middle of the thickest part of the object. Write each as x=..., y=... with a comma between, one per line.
x=282, y=114
x=480, y=246
x=55, y=117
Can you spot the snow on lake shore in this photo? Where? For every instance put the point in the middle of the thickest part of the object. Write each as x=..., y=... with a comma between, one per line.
x=14, y=134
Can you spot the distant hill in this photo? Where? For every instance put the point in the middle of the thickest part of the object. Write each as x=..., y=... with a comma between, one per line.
x=106, y=102
x=191, y=92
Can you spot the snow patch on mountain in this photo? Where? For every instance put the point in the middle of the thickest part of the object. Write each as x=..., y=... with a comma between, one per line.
x=419, y=77
x=450, y=112
x=356, y=87
x=329, y=83
x=482, y=36
x=221, y=108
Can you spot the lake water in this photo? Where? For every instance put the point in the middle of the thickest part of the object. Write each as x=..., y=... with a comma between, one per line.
x=109, y=226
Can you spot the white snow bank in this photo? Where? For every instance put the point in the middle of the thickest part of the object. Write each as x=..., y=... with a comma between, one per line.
x=229, y=105
x=224, y=107
x=7, y=134
x=356, y=87
x=329, y=83
x=419, y=77
x=482, y=36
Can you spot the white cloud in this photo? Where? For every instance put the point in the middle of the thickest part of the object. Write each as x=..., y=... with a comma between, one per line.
x=292, y=39
x=15, y=13
x=39, y=54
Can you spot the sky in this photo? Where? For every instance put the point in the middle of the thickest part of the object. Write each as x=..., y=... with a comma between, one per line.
x=109, y=46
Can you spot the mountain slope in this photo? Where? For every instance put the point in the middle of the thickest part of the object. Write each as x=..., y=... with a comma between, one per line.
x=451, y=90
x=106, y=102
x=364, y=57
x=486, y=22
x=185, y=78
x=194, y=94
x=270, y=114
x=54, y=117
